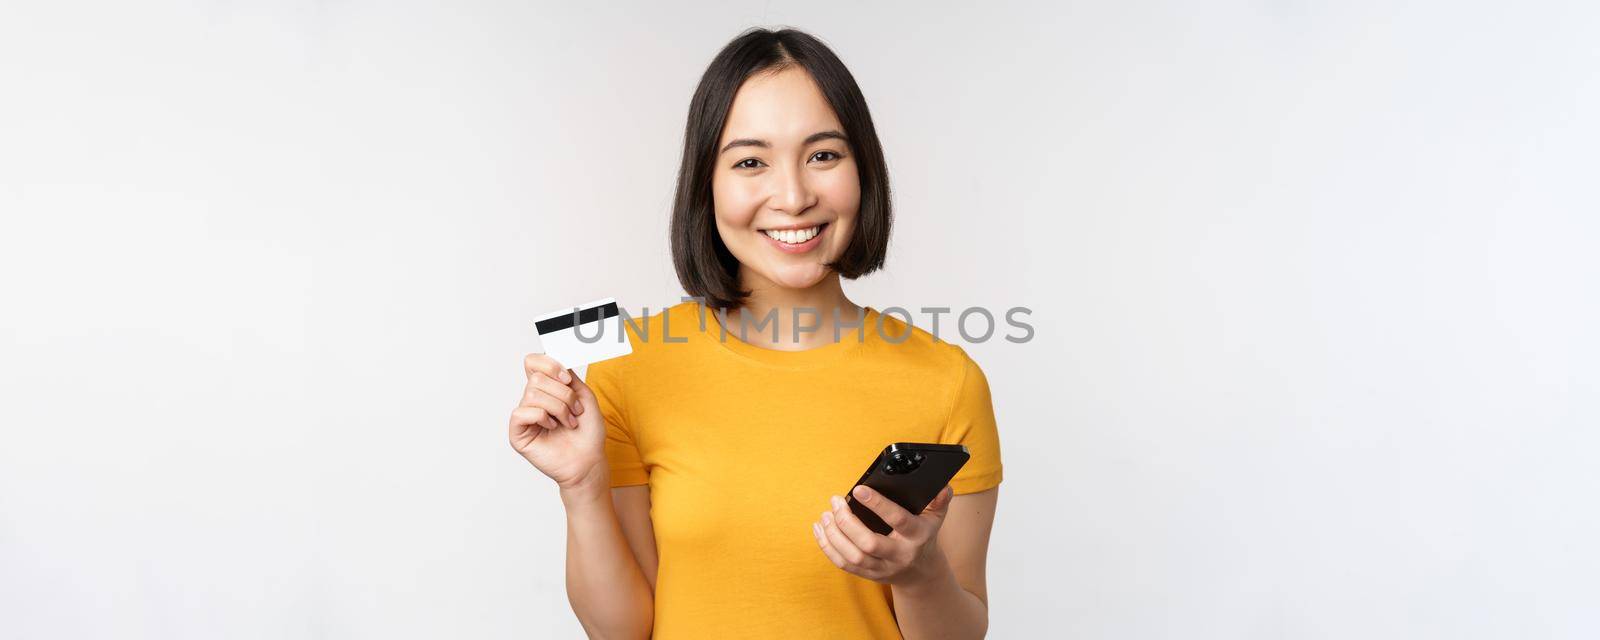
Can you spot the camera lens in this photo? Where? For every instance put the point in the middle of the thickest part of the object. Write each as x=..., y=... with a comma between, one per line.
x=898, y=462
x=910, y=462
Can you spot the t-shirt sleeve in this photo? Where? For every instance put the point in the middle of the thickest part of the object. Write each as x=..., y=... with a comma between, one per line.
x=622, y=450
x=971, y=423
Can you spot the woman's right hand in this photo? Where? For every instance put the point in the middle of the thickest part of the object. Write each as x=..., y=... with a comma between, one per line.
x=558, y=427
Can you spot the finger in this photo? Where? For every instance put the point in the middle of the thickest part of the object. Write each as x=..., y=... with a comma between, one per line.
x=545, y=364
x=544, y=419
x=545, y=384
x=892, y=514
x=584, y=393
x=555, y=408
x=827, y=549
x=526, y=415
x=855, y=559
x=525, y=419
x=853, y=528
x=940, y=502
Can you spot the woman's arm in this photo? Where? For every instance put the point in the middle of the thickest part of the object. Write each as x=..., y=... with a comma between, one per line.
x=559, y=428
x=633, y=513
x=610, y=592
x=954, y=601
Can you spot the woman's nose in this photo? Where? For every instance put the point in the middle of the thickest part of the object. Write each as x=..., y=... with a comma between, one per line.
x=792, y=194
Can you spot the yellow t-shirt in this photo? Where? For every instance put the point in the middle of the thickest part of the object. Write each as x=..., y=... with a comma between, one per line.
x=742, y=447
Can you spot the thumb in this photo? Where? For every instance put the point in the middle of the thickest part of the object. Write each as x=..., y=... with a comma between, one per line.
x=940, y=502
x=585, y=394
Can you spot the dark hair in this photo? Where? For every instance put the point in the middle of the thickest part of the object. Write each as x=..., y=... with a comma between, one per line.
x=705, y=266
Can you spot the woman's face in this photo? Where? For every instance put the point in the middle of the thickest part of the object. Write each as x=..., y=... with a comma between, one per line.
x=785, y=188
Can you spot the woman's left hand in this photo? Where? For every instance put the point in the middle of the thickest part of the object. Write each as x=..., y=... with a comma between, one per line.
x=908, y=555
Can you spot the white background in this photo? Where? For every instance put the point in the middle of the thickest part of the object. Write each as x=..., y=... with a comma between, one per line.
x=1314, y=287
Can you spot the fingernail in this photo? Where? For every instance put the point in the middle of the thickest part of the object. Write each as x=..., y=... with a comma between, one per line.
x=863, y=493
x=577, y=409
x=827, y=518
x=817, y=529
x=566, y=376
x=837, y=501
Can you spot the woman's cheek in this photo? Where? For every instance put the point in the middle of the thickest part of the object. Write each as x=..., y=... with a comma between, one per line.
x=741, y=202
x=845, y=198
x=842, y=190
x=732, y=206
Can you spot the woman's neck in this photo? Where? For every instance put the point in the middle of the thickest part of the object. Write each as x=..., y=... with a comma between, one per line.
x=770, y=304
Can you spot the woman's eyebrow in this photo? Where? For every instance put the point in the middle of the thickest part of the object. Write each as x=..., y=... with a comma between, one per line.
x=815, y=137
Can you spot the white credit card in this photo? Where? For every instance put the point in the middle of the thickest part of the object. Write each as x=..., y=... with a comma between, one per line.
x=585, y=333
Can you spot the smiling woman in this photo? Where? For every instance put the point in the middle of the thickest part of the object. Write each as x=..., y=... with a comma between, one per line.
x=760, y=206
x=689, y=478
x=779, y=140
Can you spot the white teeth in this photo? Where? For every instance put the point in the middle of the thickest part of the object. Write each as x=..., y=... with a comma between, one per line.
x=793, y=236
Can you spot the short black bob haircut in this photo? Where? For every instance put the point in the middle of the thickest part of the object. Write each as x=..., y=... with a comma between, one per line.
x=706, y=268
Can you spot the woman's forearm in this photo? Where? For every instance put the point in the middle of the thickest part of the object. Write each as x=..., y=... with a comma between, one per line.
x=607, y=589
x=938, y=607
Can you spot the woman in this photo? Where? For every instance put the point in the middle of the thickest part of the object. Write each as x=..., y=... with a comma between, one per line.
x=694, y=470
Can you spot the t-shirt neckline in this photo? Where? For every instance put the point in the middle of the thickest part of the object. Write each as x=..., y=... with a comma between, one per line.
x=850, y=339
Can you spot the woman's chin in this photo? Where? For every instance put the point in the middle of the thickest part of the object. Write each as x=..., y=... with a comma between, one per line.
x=799, y=276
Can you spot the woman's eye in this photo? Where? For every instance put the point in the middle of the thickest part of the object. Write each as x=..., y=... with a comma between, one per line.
x=748, y=163
x=829, y=155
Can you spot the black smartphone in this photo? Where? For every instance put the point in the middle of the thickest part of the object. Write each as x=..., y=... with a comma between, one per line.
x=911, y=474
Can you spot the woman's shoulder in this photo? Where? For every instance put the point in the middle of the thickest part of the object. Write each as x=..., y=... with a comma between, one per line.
x=898, y=336
x=649, y=333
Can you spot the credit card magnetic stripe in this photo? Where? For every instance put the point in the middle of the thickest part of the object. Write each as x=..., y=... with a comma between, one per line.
x=585, y=316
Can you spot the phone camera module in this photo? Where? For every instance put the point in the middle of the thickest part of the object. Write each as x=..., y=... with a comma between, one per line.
x=902, y=462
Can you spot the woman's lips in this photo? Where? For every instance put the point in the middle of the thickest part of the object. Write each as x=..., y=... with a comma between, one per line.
x=800, y=247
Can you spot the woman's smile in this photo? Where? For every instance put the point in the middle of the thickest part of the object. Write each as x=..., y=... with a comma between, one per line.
x=795, y=239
